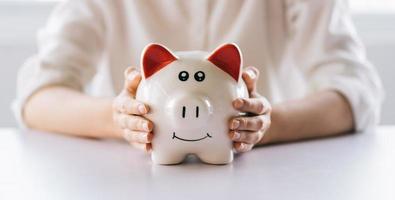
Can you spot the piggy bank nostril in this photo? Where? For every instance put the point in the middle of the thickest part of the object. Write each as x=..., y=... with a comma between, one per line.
x=183, y=111
x=197, y=111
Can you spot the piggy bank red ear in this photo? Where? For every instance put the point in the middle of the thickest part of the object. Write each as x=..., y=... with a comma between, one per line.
x=154, y=58
x=228, y=58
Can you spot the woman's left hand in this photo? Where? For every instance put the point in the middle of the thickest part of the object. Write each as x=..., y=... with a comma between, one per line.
x=248, y=130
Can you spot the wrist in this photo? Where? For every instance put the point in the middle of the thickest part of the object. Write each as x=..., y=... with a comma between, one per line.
x=112, y=129
x=109, y=127
x=278, y=126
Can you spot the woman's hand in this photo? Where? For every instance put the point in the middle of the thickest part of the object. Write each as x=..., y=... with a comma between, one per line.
x=248, y=130
x=128, y=113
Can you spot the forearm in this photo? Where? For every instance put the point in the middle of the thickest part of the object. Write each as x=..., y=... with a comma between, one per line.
x=321, y=114
x=62, y=110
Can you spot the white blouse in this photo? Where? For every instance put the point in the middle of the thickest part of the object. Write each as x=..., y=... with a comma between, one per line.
x=300, y=46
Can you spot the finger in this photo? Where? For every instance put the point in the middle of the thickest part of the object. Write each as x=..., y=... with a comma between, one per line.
x=137, y=136
x=250, y=76
x=254, y=123
x=134, y=123
x=127, y=105
x=132, y=80
x=249, y=137
x=242, y=147
x=145, y=147
x=256, y=106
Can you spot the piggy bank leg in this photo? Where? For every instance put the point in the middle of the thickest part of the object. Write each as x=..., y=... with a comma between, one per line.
x=167, y=158
x=218, y=157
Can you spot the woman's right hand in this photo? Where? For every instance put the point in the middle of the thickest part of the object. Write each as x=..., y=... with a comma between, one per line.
x=128, y=113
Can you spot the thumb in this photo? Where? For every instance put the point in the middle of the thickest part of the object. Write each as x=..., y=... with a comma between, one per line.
x=132, y=80
x=250, y=76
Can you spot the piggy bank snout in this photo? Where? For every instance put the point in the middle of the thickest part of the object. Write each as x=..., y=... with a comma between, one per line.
x=189, y=111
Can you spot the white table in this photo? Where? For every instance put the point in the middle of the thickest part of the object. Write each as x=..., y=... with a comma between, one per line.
x=37, y=165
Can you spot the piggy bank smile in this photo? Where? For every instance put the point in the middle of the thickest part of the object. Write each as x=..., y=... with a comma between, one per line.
x=190, y=96
x=191, y=140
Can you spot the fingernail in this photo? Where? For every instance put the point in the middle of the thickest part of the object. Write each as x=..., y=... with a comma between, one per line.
x=242, y=146
x=142, y=109
x=251, y=73
x=238, y=103
x=145, y=137
x=145, y=126
x=235, y=124
x=148, y=126
x=236, y=135
x=132, y=75
x=127, y=136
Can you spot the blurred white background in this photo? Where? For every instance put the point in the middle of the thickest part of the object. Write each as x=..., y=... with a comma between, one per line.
x=20, y=19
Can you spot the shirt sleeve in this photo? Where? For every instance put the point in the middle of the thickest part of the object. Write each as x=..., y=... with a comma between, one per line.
x=69, y=48
x=324, y=44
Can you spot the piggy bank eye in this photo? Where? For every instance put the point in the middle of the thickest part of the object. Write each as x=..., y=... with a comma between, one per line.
x=183, y=76
x=199, y=76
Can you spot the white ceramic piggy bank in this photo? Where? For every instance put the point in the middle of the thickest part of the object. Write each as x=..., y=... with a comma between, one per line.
x=190, y=97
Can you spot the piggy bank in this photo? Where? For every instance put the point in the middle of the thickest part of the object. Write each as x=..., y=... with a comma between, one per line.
x=190, y=96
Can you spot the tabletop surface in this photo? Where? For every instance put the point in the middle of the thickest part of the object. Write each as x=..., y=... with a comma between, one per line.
x=35, y=165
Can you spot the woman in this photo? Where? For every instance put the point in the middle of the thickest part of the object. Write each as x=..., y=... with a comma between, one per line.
x=311, y=67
